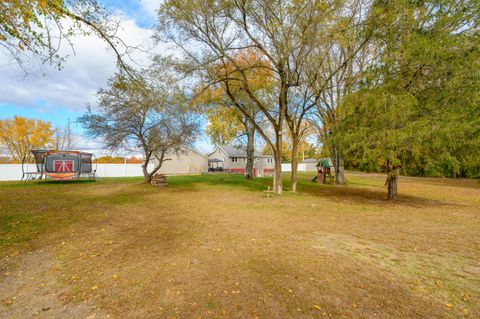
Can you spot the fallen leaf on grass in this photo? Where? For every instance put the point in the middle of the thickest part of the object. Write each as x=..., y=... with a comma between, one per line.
x=317, y=307
x=449, y=305
x=8, y=301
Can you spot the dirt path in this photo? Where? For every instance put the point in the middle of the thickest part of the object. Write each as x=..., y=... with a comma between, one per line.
x=31, y=290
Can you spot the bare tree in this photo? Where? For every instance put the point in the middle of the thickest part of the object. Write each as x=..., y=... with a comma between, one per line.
x=135, y=113
x=64, y=138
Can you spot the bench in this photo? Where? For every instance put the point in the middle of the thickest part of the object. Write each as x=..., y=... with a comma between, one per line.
x=268, y=191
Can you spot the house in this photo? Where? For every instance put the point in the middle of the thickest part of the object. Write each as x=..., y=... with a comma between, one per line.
x=186, y=162
x=234, y=160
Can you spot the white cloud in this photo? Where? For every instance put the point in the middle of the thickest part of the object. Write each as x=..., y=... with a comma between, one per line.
x=150, y=7
x=85, y=71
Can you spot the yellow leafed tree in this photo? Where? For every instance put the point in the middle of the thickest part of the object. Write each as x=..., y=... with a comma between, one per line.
x=20, y=135
x=225, y=121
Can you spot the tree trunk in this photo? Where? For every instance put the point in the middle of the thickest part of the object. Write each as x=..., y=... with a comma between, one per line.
x=294, y=164
x=277, y=173
x=392, y=182
x=250, y=151
x=147, y=176
x=337, y=159
x=277, y=151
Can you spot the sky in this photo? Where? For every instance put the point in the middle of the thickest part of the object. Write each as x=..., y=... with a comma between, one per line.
x=59, y=95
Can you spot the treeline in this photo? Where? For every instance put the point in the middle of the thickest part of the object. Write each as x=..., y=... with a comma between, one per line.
x=417, y=109
x=19, y=135
x=118, y=160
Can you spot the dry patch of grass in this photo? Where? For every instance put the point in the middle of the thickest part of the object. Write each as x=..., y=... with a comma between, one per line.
x=439, y=275
x=216, y=247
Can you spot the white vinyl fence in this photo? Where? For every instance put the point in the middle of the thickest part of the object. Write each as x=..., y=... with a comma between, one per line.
x=13, y=172
x=287, y=167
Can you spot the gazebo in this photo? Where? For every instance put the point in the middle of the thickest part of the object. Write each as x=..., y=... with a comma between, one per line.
x=215, y=165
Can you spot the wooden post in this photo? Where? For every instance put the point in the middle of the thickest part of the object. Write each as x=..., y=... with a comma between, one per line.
x=320, y=175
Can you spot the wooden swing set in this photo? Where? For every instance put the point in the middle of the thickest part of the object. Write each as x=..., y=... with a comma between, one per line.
x=324, y=173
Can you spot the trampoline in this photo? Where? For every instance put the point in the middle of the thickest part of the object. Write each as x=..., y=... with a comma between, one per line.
x=61, y=165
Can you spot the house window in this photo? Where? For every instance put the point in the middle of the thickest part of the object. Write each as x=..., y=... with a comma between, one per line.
x=234, y=159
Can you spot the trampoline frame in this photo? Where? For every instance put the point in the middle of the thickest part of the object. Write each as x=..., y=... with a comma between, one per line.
x=42, y=173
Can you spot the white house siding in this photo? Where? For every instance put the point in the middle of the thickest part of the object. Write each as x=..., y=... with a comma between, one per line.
x=262, y=166
x=241, y=163
x=267, y=162
x=187, y=162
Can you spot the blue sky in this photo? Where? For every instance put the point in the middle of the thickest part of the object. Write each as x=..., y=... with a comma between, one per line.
x=59, y=95
x=58, y=115
x=143, y=12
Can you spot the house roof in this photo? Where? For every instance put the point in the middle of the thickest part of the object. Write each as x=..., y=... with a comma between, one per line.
x=195, y=151
x=310, y=160
x=184, y=150
x=233, y=151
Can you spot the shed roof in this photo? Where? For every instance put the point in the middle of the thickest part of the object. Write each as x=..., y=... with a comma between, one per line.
x=233, y=151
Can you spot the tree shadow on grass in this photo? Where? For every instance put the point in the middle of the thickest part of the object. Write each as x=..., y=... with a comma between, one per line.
x=362, y=194
x=446, y=182
x=378, y=178
x=85, y=181
x=47, y=183
x=197, y=182
x=370, y=195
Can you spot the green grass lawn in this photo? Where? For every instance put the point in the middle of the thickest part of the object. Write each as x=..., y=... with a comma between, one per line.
x=214, y=246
